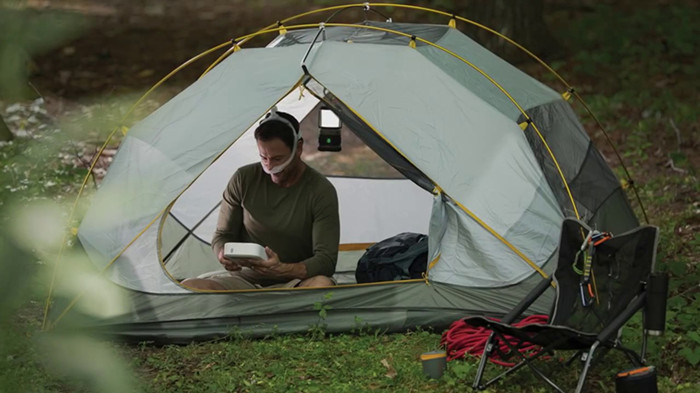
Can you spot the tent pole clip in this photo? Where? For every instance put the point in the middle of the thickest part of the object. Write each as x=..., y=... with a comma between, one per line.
x=567, y=94
x=525, y=124
x=283, y=30
x=234, y=45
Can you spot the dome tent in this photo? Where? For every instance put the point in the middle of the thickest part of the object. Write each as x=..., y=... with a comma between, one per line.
x=491, y=161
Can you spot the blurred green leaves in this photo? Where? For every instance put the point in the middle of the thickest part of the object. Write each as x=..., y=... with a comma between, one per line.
x=38, y=169
x=15, y=266
x=64, y=358
x=87, y=362
x=25, y=33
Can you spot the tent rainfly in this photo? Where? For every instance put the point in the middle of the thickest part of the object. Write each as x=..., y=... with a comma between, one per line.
x=486, y=160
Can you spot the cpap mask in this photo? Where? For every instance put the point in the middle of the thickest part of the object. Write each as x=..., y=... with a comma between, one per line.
x=274, y=116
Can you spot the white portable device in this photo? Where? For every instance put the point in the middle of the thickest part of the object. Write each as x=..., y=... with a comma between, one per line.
x=233, y=250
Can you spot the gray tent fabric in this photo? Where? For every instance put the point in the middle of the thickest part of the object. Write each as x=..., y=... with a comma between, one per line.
x=442, y=141
x=447, y=116
x=595, y=188
x=389, y=307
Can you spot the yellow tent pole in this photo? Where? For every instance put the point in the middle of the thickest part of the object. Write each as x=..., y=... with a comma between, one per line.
x=617, y=154
x=544, y=64
x=412, y=39
x=434, y=11
x=71, y=213
x=483, y=73
x=237, y=43
x=104, y=269
x=573, y=91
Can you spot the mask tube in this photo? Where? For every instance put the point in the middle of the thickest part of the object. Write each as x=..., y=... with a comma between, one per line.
x=279, y=168
x=274, y=116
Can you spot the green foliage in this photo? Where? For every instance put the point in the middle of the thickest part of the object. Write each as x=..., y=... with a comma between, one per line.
x=691, y=352
x=459, y=372
x=318, y=330
x=655, y=34
x=290, y=363
x=642, y=64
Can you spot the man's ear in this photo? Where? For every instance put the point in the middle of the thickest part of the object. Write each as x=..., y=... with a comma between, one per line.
x=300, y=146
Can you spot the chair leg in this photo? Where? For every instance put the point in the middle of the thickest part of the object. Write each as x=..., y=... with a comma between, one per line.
x=586, y=367
x=482, y=363
x=488, y=350
x=526, y=361
x=633, y=356
x=529, y=361
x=643, y=352
x=503, y=374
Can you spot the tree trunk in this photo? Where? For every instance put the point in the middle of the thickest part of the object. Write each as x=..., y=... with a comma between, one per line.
x=521, y=21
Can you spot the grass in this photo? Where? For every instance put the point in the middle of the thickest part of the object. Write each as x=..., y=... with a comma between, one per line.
x=635, y=67
x=290, y=363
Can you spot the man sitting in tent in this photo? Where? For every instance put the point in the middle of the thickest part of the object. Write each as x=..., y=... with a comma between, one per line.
x=280, y=203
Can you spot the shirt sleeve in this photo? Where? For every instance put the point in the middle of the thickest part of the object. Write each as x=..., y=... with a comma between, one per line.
x=229, y=227
x=325, y=234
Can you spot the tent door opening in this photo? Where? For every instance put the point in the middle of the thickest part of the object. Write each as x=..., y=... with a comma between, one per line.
x=380, y=193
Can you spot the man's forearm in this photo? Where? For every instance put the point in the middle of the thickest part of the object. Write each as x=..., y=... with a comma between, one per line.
x=217, y=243
x=285, y=271
x=293, y=270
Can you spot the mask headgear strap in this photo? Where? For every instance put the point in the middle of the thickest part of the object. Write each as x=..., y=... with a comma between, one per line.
x=274, y=116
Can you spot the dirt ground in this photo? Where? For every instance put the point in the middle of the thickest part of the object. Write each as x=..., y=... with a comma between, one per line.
x=130, y=45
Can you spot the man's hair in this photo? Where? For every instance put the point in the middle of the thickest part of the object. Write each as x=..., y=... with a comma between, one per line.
x=271, y=129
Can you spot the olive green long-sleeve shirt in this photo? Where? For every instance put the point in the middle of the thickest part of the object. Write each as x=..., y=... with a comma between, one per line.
x=300, y=223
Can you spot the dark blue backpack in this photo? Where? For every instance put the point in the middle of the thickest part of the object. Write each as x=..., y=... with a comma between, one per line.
x=399, y=257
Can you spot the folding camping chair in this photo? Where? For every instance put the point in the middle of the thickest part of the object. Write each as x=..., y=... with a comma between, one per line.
x=601, y=282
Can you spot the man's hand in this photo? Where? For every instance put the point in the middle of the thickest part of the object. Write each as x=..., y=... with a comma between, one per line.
x=228, y=264
x=270, y=267
x=273, y=268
